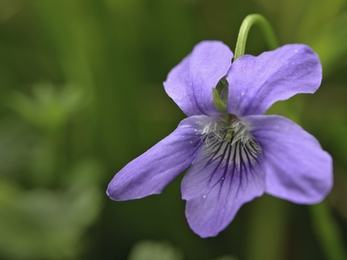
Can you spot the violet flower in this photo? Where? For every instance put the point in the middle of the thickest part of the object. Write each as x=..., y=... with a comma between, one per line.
x=236, y=155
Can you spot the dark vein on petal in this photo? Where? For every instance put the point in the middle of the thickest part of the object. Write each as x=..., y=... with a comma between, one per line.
x=231, y=160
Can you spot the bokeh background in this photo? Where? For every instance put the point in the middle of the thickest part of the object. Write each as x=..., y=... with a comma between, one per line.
x=81, y=95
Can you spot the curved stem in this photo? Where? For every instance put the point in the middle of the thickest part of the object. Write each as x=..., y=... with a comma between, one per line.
x=244, y=30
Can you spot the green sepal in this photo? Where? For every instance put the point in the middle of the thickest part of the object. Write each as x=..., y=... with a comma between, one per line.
x=218, y=103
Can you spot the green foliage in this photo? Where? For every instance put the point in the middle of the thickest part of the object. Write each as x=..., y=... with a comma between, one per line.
x=81, y=95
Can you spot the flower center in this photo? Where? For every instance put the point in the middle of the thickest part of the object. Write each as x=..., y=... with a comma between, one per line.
x=229, y=143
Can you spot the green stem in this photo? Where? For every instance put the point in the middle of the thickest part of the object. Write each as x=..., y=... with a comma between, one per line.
x=328, y=232
x=244, y=30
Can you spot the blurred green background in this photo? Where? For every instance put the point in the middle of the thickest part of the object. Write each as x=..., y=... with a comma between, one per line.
x=82, y=95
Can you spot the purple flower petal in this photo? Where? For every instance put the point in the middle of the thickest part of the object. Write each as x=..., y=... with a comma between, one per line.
x=215, y=190
x=152, y=171
x=255, y=83
x=297, y=169
x=190, y=83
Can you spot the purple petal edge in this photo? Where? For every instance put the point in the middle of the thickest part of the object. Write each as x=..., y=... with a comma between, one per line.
x=297, y=168
x=255, y=83
x=152, y=171
x=191, y=82
x=214, y=194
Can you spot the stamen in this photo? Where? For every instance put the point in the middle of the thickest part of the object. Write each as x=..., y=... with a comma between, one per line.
x=230, y=148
